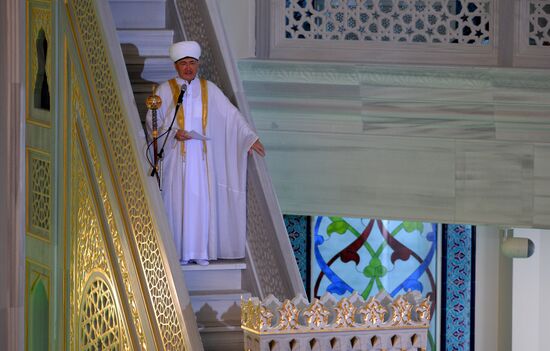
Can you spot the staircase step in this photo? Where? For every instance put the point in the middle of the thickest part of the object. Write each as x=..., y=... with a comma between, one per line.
x=145, y=42
x=216, y=337
x=222, y=338
x=218, y=308
x=153, y=69
x=221, y=275
x=129, y=13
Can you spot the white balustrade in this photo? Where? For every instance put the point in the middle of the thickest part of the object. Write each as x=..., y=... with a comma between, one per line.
x=381, y=323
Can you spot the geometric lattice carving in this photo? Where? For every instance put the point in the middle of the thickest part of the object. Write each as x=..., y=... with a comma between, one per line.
x=39, y=195
x=89, y=258
x=79, y=110
x=165, y=314
x=99, y=324
x=421, y=21
x=539, y=23
x=261, y=240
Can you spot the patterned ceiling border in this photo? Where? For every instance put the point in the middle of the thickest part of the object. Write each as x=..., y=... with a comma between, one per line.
x=393, y=75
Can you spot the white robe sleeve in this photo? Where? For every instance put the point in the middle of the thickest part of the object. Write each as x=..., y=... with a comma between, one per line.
x=231, y=137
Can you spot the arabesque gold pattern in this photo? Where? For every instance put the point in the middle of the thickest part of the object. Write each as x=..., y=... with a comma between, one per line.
x=288, y=316
x=78, y=110
x=345, y=314
x=374, y=313
x=89, y=255
x=99, y=324
x=39, y=193
x=270, y=316
x=157, y=286
x=402, y=311
x=317, y=315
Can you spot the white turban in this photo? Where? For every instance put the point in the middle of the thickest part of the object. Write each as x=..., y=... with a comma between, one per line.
x=185, y=49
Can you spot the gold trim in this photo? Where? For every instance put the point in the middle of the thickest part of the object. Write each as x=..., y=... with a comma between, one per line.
x=66, y=191
x=101, y=215
x=204, y=100
x=102, y=230
x=37, y=237
x=37, y=150
x=180, y=116
x=257, y=316
x=326, y=330
x=170, y=309
x=28, y=231
x=134, y=252
x=28, y=263
x=181, y=111
x=37, y=263
x=38, y=123
x=103, y=210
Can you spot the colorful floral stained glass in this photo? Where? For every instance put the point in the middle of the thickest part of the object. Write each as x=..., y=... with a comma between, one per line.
x=371, y=255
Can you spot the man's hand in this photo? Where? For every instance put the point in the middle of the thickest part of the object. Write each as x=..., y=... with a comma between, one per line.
x=258, y=147
x=182, y=135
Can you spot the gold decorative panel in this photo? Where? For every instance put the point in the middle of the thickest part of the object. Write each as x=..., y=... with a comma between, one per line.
x=38, y=194
x=77, y=107
x=99, y=323
x=157, y=285
x=89, y=255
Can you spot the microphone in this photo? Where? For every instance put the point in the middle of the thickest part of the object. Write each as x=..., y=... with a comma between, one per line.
x=182, y=92
x=180, y=99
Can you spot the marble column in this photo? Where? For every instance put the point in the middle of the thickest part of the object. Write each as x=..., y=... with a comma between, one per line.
x=12, y=176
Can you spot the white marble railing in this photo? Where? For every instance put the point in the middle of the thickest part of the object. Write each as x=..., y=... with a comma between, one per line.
x=380, y=323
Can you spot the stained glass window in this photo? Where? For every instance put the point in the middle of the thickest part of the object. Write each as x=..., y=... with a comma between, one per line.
x=371, y=255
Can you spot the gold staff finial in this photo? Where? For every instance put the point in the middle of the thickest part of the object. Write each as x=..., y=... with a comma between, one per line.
x=153, y=101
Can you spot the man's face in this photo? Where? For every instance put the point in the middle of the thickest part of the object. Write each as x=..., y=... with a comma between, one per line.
x=187, y=68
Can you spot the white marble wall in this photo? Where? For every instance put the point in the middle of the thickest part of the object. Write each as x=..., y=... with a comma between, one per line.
x=531, y=307
x=493, y=293
x=12, y=256
x=239, y=21
x=448, y=144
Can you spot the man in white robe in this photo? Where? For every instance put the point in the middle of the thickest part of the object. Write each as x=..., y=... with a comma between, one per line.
x=203, y=180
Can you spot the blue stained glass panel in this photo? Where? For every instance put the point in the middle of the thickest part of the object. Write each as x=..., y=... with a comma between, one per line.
x=370, y=255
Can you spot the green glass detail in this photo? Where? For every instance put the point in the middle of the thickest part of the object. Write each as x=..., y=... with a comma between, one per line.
x=38, y=318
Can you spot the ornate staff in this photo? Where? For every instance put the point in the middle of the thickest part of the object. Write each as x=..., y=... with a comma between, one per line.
x=153, y=103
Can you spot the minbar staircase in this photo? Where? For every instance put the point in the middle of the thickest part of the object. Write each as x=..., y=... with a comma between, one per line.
x=215, y=290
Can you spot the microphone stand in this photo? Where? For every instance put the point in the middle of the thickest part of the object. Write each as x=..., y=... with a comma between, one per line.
x=153, y=103
x=160, y=154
